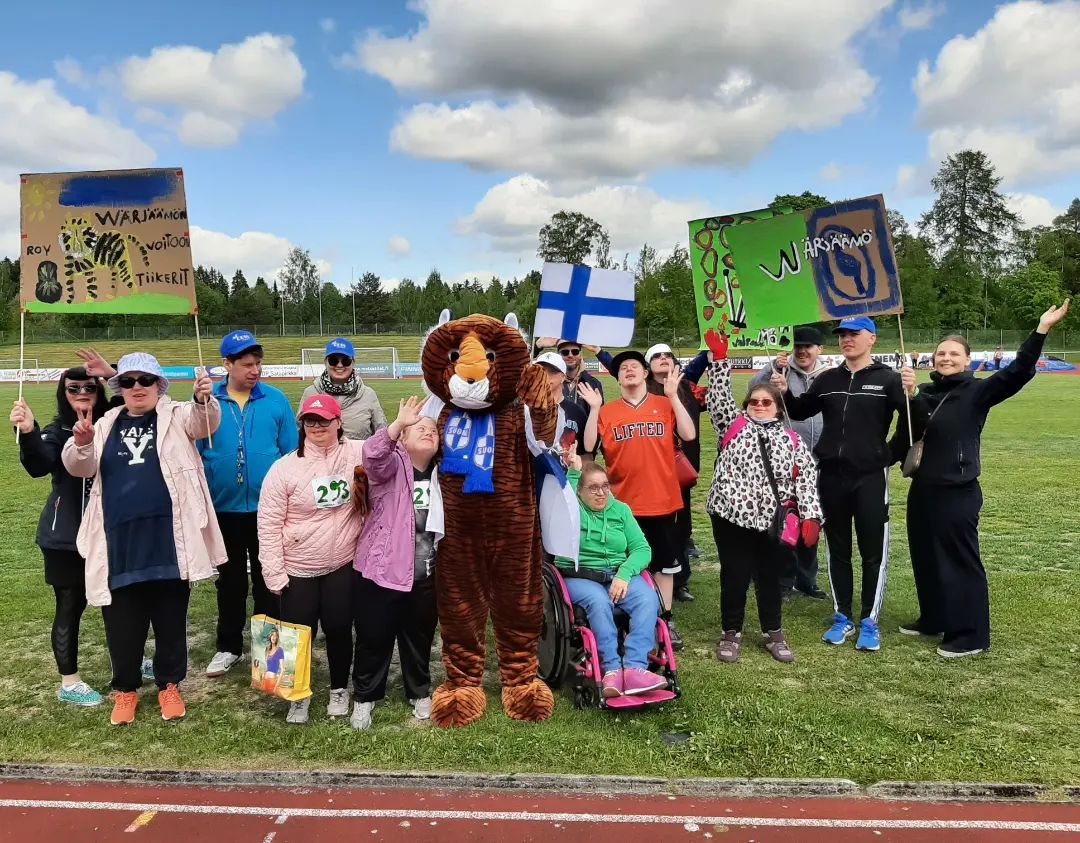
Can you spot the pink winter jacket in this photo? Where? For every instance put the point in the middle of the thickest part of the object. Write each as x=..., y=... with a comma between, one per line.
x=308, y=525
x=199, y=546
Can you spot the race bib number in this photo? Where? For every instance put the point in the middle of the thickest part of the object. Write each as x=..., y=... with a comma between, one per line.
x=421, y=494
x=331, y=492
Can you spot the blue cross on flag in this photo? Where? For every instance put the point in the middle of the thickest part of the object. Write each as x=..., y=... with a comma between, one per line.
x=594, y=306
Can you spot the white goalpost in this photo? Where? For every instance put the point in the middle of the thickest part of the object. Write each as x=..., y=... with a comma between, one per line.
x=29, y=364
x=373, y=362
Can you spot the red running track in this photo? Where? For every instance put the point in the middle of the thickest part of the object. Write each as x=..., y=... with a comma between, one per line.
x=70, y=813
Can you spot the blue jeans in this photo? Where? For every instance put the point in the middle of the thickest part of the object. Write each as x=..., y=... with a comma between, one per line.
x=640, y=603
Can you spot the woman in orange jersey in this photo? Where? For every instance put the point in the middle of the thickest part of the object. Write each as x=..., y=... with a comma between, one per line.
x=637, y=434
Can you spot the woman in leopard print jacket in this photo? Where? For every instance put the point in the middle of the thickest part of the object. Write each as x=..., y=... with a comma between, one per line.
x=741, y=502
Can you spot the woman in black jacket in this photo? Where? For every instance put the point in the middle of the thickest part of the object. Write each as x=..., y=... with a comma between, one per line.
x=945, y=498
x=39, y=452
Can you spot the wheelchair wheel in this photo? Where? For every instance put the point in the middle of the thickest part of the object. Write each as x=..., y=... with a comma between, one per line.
x=585, y=697
x=554, y=633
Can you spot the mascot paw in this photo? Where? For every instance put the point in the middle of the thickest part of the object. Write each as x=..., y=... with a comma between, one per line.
x=532, y=702
x=457, y=706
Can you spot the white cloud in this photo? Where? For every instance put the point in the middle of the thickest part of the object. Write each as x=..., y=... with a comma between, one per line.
x=399, y=246
x=563, y=94
x=831, y=172
x=1011, y=90
x=71, y=72
x=255, y=252
x=511, y=213
x=216, y=95
x=327, y=25
x=912, y=18
x=1033, y=210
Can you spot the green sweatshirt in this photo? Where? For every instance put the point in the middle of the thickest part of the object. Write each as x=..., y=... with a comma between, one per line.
x=610, y=538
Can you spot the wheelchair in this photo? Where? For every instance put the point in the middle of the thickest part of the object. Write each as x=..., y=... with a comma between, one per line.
x=568, y=652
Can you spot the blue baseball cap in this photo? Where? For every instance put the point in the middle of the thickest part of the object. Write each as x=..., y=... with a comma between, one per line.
x=340, y=345
x=236, y=343
x=856, y=323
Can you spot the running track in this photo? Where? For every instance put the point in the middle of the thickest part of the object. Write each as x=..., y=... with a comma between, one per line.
x=44, y=812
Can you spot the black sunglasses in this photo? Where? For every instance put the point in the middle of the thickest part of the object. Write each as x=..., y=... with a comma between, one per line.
x=338, y=360
x=80, y=389
x=127, y=382
x=570, y=352
x=315, y=421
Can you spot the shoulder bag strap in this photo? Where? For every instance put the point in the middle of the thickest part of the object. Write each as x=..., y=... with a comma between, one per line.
x=768, y=467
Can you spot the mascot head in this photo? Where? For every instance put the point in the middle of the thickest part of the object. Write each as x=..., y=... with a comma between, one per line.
x=475, y=363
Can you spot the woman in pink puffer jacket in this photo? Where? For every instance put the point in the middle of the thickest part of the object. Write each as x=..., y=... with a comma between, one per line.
x=308, y=527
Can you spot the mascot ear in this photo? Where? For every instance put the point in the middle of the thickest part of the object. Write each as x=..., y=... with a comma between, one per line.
x=512, y=320
x=444, y=317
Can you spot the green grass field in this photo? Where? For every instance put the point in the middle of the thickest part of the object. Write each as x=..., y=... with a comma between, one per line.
x=903, y=713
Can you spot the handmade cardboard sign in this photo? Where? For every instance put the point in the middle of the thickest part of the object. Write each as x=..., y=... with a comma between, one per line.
x=112, y=241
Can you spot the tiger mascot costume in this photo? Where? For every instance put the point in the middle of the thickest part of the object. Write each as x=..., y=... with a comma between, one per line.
x=490, y=557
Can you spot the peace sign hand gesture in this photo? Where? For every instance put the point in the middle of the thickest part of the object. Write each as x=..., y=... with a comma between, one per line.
x=83, y=432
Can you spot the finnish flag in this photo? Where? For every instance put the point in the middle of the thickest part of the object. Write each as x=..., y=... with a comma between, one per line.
x=594, y=306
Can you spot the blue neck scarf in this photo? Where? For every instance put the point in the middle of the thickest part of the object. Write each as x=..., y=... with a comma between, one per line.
x=469, y=450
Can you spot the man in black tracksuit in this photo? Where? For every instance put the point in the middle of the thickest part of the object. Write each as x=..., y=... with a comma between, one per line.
x=857, y=401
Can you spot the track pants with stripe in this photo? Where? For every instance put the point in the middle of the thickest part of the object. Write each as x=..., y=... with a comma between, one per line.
x=863, y=500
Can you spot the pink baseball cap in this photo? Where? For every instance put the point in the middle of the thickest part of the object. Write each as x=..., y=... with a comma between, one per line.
x=323, y=406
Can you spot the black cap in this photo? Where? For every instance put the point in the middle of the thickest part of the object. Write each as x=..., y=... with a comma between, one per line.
x=808, y=335
x=629, y=354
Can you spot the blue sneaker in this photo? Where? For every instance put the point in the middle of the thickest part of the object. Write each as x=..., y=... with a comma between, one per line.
x=79, y=694
x=841, y=630
x=869, y=637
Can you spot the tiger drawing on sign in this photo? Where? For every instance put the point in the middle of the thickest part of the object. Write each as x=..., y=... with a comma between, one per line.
x=88, y=251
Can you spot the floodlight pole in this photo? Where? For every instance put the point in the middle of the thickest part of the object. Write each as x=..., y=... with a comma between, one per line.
x=352, y=287
x=320, y=310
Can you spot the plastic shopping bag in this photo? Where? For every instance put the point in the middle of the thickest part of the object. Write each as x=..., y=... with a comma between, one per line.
x=280, y=658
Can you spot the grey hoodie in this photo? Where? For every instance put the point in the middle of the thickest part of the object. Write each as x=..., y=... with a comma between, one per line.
x=798, y=382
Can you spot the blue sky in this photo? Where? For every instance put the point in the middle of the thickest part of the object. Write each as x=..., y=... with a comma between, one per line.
x=394, y=138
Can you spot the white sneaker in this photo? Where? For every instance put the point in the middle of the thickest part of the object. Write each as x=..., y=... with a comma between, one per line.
x=421, y=709
x=361, y=715
x=339, y=702
x=147, y=669
x=298, y=712
x=220, y=663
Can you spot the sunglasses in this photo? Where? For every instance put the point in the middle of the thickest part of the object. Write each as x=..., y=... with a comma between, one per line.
x=338, y=360
x=83, y=389
x=570, y=352
x=127, y=382
x=666, y=354
x=603, y=488
x=761, y=402
x=316, y=421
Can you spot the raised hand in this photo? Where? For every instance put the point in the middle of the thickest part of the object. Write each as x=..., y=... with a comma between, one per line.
x=671, y=385
x=409, y=411
x=204, y=387
x=907, y=378
x=1052, y=316
x=781, y=361
x=717, y=344
x=573, y=460
x=21, y=416
x=96, y=366
x=83, y=431
x=779, y=381
x=593, y=397
x=547, y=342
x=595, y=349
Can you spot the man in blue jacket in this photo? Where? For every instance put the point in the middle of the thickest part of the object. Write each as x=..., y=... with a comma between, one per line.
x=257, y=427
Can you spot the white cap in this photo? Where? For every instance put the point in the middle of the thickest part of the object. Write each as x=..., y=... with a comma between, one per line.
x=659, y=348
x=552, y=359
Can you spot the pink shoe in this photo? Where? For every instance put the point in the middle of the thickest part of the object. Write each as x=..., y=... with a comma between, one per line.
x=638, y=680
x=612, y=684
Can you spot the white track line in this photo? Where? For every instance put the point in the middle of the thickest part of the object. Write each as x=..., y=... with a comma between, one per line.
x=539, y=816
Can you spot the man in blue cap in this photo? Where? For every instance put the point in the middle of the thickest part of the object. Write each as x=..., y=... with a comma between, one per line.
x=257, y=427
x=857, y=401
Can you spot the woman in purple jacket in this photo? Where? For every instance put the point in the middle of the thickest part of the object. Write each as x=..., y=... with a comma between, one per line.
x=394, y=568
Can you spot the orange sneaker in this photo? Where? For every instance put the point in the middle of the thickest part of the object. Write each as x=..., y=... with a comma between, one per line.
x=172, y=704
x=124, y=705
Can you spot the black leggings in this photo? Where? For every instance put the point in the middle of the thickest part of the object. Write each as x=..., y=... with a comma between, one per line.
x=325, y=600
x=748, y=556
x=70, y=604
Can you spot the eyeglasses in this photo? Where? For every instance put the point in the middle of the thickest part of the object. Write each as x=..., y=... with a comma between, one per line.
x=315, y=421
x=338, y=360
x=570, y=352
x=128, y=382
x=601, y=489
x=84, y=389
x=761, y=402
x=666, y=354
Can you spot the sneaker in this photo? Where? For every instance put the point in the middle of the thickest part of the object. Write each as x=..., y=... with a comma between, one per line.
x=79, y=694
x=728, y=649
x=298, y=712
x=683, y=595
x=869, y=636
x=339, y=703
x=421, y=708
x=612, y=684
x=361, y=715
x=949, y=651
x=124, y=705
x=172, y=704
x=813, y=592
x=676, y=639
x=220, y=664
x=638, y=680
x=692, y=551
x=776, y=644
x=147, y=669
x=841, y=630
x=915, y=628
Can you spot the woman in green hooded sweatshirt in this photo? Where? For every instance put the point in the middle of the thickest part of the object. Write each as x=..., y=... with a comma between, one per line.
x=607, y=579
